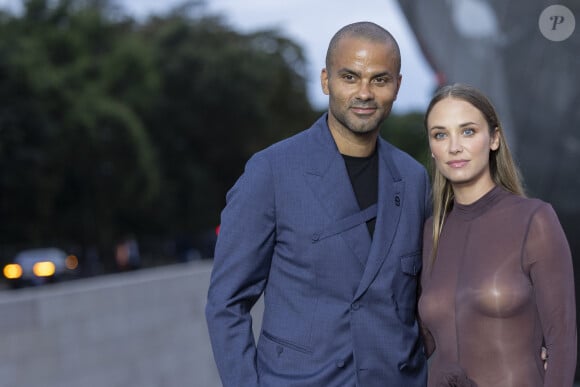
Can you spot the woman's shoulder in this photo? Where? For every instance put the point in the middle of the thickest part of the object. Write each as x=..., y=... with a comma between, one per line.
x=525, y=204
x=534, y=209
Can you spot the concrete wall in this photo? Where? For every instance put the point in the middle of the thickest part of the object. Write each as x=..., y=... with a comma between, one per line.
x=139, y=329
x=143, y=329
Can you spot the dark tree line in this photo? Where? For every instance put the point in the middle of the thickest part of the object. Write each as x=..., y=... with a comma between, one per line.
x=110, y=126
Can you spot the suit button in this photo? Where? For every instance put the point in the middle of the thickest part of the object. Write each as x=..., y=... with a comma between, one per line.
x=355, y=306
x=340, y=363
x=315, y=237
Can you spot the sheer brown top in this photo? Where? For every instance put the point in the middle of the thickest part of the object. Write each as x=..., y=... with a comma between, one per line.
x=500, y=287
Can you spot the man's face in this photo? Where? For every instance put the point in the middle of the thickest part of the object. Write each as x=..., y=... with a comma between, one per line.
x=362, y=83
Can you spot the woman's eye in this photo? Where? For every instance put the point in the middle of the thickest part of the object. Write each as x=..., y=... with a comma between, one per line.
x=439, y=135
x=469, y=132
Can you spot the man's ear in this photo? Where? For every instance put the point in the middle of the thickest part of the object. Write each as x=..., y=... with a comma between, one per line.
x=324, y=81
x=399, y=80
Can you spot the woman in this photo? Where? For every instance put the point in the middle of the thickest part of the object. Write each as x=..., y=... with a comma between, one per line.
x=497, y=279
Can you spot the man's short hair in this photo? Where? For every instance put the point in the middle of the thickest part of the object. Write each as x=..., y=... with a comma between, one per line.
x=363, y=30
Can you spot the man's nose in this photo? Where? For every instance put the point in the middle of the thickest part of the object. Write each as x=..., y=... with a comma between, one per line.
x=365, y=91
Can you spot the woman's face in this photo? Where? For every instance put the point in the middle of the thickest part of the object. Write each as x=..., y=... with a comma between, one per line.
x=460, y=143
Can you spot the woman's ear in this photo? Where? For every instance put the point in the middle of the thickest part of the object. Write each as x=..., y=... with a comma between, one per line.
x=495, y=140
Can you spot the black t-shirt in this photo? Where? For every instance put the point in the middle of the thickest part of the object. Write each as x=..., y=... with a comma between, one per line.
x=364, y=177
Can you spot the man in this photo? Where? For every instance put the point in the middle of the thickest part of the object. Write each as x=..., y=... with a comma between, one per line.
x=327, y=225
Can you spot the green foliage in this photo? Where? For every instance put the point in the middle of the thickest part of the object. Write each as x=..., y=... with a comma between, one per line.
x=110, y=126
x=408, y=133
x=224, y=96
x=74, y=153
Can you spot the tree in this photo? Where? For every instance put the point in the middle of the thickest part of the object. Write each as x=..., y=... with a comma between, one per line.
x=407, y=132
x=110, y=126
x=74, y=154
x=224, y=96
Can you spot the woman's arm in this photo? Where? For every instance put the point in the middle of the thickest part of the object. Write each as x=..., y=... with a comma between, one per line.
x=548, y=257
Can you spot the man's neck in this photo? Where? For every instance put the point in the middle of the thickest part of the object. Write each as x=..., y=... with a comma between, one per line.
x=354, y=144
x=357, y=150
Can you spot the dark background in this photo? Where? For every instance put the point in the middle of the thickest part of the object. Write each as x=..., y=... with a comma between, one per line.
x=534, y=82
x=113, y=128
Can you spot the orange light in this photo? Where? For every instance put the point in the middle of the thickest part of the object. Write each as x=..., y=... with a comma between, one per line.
x=12, y=271
x=72, y=262
x=44, y=269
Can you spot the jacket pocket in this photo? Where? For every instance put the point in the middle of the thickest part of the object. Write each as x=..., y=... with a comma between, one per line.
x=405, y=297
x=411, y=263
x=286, y=343
x=281, y=362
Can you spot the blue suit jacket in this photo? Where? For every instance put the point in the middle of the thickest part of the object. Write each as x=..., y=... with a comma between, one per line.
x=339, y=308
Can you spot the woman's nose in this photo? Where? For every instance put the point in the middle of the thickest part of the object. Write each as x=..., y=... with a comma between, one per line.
x=455, y=145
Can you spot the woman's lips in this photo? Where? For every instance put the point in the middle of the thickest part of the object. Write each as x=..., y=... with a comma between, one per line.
x=457, y=163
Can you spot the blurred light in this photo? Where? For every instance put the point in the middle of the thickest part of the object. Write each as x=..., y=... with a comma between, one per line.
x=217, y=229
x=12, y=271
x=44, y=269
x=72, y=262
x=463, y=12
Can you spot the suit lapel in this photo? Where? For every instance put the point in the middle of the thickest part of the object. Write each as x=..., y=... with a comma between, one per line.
x=390, y=202
x=332, y=187
x=327, y=176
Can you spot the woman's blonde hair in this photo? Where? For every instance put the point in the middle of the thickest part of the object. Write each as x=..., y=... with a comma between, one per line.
x=503, y=169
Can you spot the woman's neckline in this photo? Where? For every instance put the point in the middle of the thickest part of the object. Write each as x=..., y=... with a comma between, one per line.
x=480, y=206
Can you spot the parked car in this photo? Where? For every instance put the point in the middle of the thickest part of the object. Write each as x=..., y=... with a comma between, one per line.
x=35, y=267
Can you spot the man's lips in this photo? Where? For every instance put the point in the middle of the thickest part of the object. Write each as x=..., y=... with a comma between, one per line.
x=457, y=163
x=363, y=109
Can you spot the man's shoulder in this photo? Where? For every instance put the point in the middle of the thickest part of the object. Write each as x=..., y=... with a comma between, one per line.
x=401, y=159
x=295, y=144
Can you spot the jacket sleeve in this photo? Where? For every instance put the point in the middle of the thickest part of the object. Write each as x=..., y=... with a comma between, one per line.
x=548, y=257
x=241, y=265
x=428, y=340
x=428, y=196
